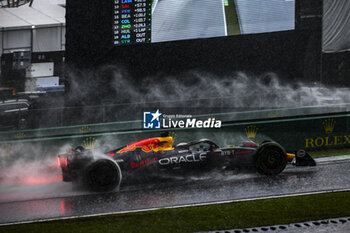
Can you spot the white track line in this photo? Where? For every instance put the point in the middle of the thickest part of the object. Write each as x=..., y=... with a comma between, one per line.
x=326, y=160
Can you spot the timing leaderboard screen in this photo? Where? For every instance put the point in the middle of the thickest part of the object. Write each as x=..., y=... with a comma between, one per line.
x=150, y=21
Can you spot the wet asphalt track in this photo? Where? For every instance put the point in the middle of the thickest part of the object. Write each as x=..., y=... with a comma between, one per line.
x=25, y=203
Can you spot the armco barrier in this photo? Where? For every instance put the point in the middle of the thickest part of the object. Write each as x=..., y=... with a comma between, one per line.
x=309, y=128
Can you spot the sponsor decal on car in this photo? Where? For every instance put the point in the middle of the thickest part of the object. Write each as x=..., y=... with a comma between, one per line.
x=183, y=159
x=142, y=163
x=151, y=144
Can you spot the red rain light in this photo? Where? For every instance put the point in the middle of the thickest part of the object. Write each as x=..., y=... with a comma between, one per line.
x=59, y=161
x=62, y=161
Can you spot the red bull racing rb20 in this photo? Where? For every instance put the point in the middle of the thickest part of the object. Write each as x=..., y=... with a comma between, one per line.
x=157, y=157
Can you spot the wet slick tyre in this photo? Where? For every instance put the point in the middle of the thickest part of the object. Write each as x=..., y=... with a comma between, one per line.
x=103, y=175
x=271, y=160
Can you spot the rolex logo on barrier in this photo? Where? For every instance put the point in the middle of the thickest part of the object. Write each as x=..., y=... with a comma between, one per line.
x=85, y=129
x=20, y=135
x=328, y=125
x=89, y=143
x=329, y=140
x=251, y=131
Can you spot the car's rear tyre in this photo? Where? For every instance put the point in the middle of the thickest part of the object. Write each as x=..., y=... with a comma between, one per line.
x=271, y=160
x=103, y=175
x=66, y=177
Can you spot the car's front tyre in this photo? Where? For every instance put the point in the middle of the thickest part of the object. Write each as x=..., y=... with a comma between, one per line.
x=271, y=160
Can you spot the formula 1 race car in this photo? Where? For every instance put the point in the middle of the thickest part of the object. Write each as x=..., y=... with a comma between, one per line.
x=154, y=157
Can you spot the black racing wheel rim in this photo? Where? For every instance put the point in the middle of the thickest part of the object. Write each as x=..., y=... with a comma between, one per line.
x=103, y=176
x=272, y=161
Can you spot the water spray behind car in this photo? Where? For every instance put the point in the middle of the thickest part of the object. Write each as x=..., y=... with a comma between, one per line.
x=27, y=164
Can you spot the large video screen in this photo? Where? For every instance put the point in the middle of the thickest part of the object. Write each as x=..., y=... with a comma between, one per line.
x=150, y=21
